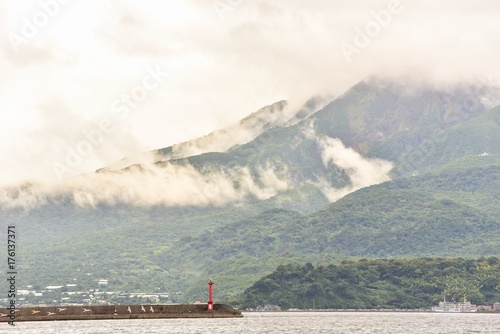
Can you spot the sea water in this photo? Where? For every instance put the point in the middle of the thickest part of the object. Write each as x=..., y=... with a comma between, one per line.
x=280, y=322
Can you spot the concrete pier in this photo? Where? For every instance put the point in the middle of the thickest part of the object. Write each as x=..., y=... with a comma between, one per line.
x=145, y=311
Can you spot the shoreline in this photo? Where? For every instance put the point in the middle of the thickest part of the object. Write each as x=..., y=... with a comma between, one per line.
x=368, y=311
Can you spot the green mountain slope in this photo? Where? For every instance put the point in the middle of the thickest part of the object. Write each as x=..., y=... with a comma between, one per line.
x=474, y=139
x=446, y=214
x=123, y=244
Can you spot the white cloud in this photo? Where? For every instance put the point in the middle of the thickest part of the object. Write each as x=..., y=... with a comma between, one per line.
x=170, y=184
x=362, y=172
x=148, y=184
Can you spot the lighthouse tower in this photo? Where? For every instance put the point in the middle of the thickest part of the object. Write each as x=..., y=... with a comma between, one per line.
x=210, y=304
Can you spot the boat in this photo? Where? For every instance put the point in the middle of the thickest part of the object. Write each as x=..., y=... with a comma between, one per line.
x=455, y=307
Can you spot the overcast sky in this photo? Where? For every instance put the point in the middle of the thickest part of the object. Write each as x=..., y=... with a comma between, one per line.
x=133, y=75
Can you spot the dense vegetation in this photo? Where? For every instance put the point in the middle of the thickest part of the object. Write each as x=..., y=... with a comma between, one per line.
x=397, y=283
x=448, y=214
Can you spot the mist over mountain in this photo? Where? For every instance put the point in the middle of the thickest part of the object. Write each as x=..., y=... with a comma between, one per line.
x=387, y=169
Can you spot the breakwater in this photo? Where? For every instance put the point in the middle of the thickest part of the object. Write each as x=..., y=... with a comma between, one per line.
x=50, y=313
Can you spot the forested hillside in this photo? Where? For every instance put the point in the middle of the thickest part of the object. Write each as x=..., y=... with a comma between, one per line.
x=373, y=284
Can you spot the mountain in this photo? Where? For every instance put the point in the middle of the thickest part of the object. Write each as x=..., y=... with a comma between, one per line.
x=381, y=122
x=384, y=170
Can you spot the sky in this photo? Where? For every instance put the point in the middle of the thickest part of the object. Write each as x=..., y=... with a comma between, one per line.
x=85, y=83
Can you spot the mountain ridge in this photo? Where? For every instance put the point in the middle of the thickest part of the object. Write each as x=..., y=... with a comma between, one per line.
x=277, y=209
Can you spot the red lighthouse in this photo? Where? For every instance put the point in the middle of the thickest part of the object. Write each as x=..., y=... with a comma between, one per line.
x=210, y=296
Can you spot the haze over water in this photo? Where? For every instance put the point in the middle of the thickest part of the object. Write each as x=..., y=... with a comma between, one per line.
x=289, y=322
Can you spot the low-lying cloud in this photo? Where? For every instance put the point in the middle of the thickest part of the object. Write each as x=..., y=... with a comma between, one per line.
x=147, y=185
x=362, y=172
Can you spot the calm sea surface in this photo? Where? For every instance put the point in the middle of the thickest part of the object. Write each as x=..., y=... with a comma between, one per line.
x=291, y=322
